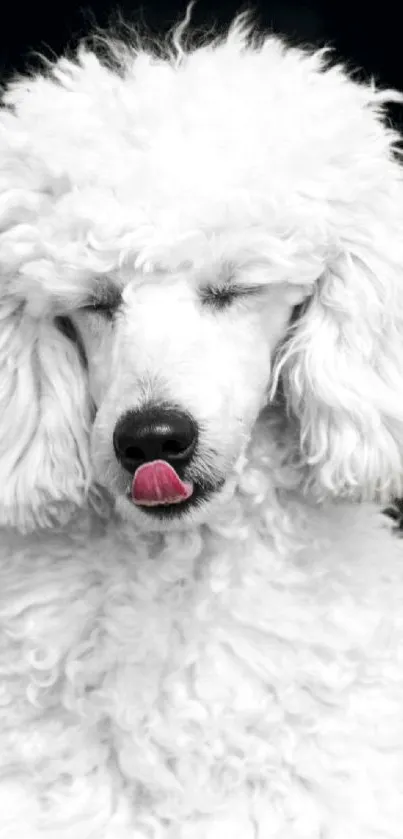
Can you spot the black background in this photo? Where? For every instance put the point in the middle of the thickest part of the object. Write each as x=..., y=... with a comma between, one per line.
x=367, y=35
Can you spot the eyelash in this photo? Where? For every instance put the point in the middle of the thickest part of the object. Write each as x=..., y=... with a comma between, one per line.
x=107, y=308
x=223, y=297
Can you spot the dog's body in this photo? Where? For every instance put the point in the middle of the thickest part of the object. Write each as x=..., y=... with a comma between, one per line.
x=243, y=680
x=201, y=327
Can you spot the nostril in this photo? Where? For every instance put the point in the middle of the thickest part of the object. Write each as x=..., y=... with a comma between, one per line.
x=133, y=453
x=174, y=448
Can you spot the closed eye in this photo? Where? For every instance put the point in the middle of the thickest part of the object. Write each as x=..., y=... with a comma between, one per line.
x=222, y=296
x=104, y=301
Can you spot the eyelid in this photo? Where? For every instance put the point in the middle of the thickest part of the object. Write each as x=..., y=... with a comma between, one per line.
x=107, y=300
x=237, y=289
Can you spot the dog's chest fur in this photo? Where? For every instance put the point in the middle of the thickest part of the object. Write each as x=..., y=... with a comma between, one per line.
x=205, y=684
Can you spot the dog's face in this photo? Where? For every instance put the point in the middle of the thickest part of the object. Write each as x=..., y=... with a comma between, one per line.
x=179, y=367
x=174, y=211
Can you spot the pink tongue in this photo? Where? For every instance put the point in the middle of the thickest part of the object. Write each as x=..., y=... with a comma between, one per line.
x=157, y=483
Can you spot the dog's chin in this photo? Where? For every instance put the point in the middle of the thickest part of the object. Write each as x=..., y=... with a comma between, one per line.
x=161, y=519
x=165, y=518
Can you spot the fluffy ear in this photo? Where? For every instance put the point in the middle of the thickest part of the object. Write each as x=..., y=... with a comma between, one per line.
x=44, y=420
x=342, y=367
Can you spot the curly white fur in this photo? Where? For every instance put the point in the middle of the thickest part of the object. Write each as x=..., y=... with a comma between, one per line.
x=237, y=674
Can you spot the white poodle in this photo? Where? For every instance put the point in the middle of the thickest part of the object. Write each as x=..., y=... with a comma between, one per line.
x=201, y=406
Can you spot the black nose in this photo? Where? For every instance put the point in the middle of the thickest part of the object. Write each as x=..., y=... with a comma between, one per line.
x=161, y=433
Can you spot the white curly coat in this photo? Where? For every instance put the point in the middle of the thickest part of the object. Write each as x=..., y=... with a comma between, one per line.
x=237, y=674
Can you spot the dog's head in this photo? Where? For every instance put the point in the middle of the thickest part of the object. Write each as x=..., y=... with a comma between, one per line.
x=160, y=223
